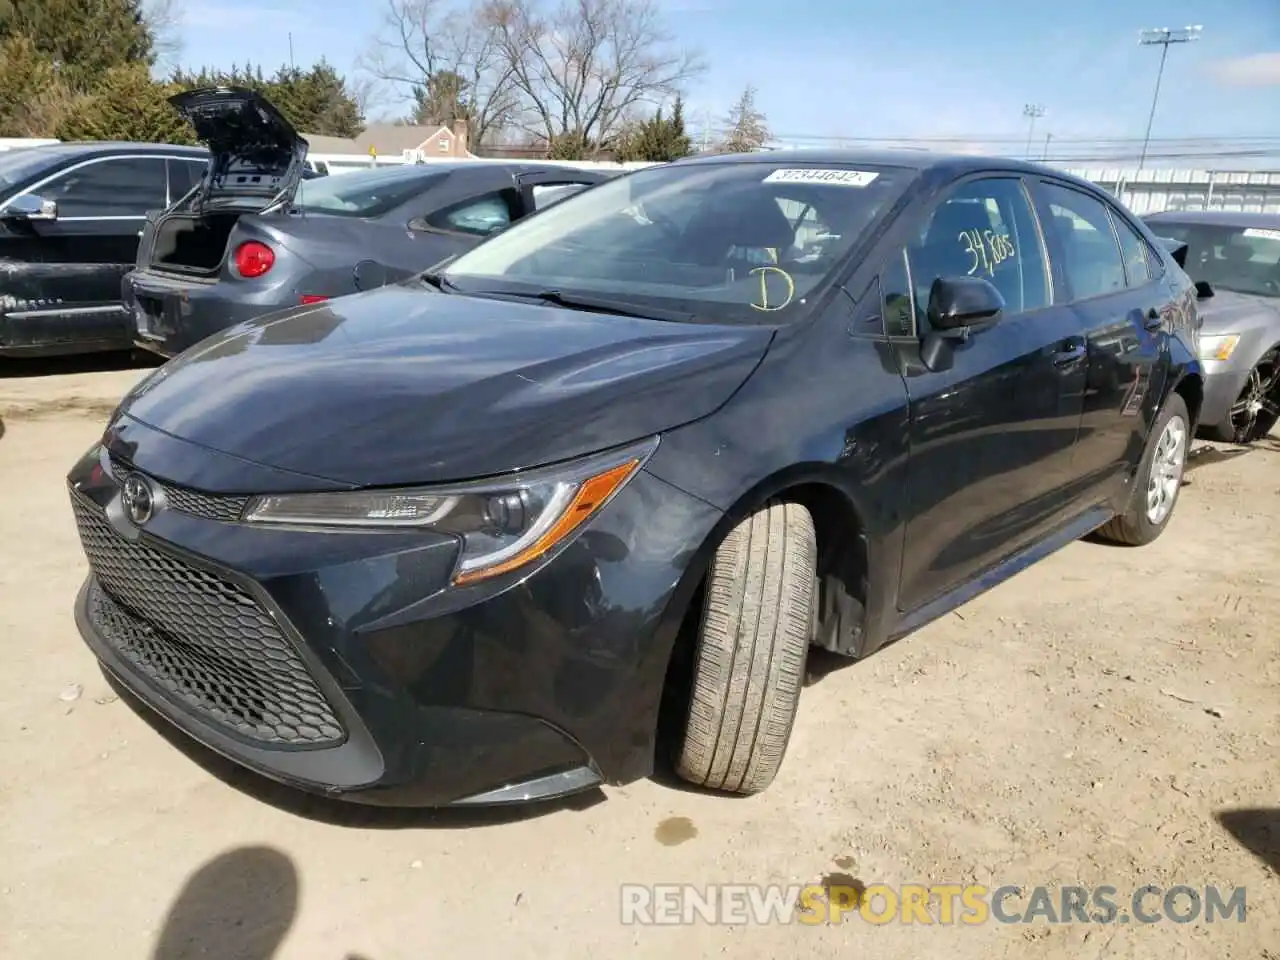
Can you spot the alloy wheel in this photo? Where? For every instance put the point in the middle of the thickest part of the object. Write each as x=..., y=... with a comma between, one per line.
x=1167, y=466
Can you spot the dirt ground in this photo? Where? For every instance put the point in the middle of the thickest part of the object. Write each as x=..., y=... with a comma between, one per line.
x=1110, y=716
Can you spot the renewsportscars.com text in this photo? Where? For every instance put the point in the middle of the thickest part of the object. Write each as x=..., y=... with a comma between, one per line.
x=961, y=904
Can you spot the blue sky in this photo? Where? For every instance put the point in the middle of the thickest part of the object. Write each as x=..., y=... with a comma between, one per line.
x=897, y=68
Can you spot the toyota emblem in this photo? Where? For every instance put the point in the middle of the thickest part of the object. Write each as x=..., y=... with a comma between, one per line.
x=139, y=503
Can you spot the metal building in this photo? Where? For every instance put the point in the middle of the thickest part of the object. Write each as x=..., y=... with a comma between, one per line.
x=1151, y=191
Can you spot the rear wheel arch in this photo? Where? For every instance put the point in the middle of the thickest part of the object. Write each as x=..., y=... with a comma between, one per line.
x=1191, y=388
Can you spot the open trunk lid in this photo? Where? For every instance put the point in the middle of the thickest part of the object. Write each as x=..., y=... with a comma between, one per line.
x=257, y=157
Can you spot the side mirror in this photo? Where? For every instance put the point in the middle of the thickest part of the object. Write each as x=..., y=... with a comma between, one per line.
x=30, y=207
x=957, y=303
x=1203, y=290
x=1177, y=248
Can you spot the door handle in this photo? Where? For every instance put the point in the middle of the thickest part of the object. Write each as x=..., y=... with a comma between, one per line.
x=1152, y=320
x=1069, y=354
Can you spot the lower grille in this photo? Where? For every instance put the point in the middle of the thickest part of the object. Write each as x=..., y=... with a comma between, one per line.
x=203, y=640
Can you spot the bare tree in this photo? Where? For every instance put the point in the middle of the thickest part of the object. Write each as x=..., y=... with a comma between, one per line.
x=748, y=131
x=584, y=67
x=420, y=41
x=164, y=20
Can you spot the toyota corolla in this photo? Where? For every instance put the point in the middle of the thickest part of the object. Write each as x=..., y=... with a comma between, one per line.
x=585, y=496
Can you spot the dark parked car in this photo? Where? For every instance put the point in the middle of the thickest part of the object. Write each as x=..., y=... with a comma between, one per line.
x=70, y=216
x=1238, y=256
x=253, y=239
x=457, y=540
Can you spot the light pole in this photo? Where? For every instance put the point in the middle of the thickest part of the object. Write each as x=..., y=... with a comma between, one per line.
x=1032, y=112
x=1162, y=37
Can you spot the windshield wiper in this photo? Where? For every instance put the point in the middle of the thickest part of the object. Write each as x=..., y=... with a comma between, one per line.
x=437, y=279
x=577, y=301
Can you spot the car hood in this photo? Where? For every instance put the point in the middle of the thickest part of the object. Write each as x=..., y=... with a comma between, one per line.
x=403, y=385
x=257, y=156
x=1230, y=312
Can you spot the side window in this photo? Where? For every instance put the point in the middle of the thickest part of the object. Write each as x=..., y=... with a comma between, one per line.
x=480, y=216
x=545, y=194
x=123, y=187
x=1091, y=258
x=895, y=298
x=985, y=229
x=183, y=175
x=1134, y=251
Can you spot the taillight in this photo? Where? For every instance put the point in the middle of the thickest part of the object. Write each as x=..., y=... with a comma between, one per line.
x=253, y=259
x=312, y=298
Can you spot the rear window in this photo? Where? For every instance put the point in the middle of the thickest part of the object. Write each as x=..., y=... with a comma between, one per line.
x=1240, y=259
x=364, y=193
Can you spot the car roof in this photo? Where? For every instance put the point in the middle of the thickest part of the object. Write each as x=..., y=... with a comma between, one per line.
x=88, y=148
x=922, y=160
x=1218, y=218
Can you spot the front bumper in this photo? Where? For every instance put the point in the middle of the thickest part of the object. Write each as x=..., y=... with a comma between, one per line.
x=1223, y=382
x=168, y=314
x=333, y=663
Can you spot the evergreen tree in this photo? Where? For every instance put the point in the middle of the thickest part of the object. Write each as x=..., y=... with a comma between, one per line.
x=314, y=100
x=748, y=131
x=82, y=38
x=126, y=105
x=32, y=99
x=656, y=140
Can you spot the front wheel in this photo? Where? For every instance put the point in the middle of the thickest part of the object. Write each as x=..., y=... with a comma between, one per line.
x=748, y=666
x=1158, y=480
x=1257, y=408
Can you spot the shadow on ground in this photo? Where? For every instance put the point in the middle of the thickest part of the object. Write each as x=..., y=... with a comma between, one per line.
x=11, y=368
x=340, y=813
x=1257, y=830
x=238, y=906
x=1207, y=456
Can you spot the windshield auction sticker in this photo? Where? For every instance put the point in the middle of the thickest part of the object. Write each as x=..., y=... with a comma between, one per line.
x=835, y=178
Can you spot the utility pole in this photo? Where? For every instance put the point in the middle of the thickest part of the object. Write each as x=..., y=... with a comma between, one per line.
x=1047, y=138
x=291, y=66
x=1032, y=112
x=1162, y=37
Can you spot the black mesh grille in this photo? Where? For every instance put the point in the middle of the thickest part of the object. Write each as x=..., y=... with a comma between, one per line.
x=204, y=640
x=208, y=505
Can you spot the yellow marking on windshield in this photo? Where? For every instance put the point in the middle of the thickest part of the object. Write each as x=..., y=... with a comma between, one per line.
x=764, y=273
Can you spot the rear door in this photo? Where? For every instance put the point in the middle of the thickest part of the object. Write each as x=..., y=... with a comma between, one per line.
x=991, y=437
x=85, y=251
x=1114, y=284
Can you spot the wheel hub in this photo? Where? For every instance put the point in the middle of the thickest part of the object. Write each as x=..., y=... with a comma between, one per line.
x=1167, y=465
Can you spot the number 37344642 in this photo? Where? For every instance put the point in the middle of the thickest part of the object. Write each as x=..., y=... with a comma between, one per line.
x=988, y=250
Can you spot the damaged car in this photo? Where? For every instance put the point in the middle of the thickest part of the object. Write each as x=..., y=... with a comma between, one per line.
x=252, y=237
x=70, y=218
x=1234, y=258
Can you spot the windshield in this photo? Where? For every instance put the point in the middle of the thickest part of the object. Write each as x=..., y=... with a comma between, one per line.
x=24, y=163
x=727, y=241
x=364, y=193
x=1240, y=259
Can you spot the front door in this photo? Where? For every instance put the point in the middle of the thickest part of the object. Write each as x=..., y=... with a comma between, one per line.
x=991, y=438
x=64, y=292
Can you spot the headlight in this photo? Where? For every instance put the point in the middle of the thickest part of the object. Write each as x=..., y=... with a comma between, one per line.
x=502, y=523
x=1218, y=347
